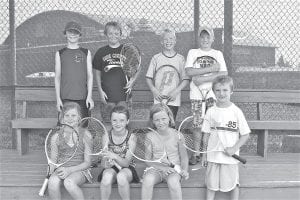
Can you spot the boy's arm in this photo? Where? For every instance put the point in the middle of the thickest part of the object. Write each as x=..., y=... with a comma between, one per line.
x=172, y=95
x=89, y=100
x=155, y=92
x=242, y=140
x=57, y=79
x=191, y=71
x=98, y=82
x=198, y=80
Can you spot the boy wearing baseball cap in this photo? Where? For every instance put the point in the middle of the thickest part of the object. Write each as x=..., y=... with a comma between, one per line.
x=73, y=72
x=203, y=65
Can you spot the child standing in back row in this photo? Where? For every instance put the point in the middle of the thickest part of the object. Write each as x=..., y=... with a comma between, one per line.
x=222, y=173
x=168, y=56
x=110, y=78
x=202, y=65
x=73, y=72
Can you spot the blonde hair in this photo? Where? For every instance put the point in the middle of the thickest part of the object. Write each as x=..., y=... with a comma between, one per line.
x=158, y=108
x=167, y=31
x=222, y=80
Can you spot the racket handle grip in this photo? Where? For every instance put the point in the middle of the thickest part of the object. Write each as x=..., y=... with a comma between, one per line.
x=242, y=160
x=44, y=187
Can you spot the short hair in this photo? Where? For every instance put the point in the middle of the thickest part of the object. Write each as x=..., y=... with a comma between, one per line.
x=120, y=109
x=158, y=108
x=114, y=24
x=222, y=80
x=167, y=31
x=68, y=106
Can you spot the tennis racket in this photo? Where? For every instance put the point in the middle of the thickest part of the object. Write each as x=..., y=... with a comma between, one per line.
x=210, y=144
x=57, y=156
x=166, y=79
x=97, y=130
x=131, y=63
x=150, y=149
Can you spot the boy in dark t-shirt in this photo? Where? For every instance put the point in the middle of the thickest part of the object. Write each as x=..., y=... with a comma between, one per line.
x=110, y=78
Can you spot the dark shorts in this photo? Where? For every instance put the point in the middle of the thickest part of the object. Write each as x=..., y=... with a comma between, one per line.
x=135, y=177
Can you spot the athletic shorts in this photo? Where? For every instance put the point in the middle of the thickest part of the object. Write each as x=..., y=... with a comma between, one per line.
x=135, y=177
x=222, y=177
x=196, y=106
x=153, y=170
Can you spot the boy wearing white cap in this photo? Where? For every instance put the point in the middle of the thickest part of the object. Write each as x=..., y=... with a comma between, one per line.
x=203, y=65
x=73, y=72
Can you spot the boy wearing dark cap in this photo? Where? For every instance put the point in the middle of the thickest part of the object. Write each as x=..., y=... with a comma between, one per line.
x=203, y=65
x=73, y=72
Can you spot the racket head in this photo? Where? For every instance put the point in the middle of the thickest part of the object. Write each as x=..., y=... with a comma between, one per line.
x=97, y=130
x=131, y=59
x=194, y=138
x=166, y=79
x=58, y=137
x=145, y=139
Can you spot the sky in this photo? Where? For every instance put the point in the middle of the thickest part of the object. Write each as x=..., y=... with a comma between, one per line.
x=276, y=21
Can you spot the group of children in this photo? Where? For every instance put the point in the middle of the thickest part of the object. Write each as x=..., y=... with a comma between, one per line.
x=73, y=84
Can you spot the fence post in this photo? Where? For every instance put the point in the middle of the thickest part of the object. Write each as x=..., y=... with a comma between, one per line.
x=12, y=33
x=196, y=21
x=228, y=31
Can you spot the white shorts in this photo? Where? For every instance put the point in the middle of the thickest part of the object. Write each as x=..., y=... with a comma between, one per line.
x=222, y=177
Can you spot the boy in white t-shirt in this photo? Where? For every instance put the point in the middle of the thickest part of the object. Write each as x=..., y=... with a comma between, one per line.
x=222, y=172
x=202, y=65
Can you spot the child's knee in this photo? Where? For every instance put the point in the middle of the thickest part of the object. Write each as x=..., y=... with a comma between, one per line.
x=148, y=180
x=174, y=182
x=122, y=179
x=54, y=183
x=69, y=183
x=107, y=179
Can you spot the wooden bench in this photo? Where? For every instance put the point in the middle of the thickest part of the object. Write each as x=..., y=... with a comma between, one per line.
x=26, y=94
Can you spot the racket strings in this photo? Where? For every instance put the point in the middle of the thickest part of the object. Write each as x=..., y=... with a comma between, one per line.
x=195, y=139
x=132, y=60
x=61, y=144
x=97, y=131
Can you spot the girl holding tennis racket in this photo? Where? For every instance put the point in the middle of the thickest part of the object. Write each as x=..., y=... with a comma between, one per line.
x=222, y=172
x=118, y=141
x=166, y=75
x=161, y=119
x=76, y=171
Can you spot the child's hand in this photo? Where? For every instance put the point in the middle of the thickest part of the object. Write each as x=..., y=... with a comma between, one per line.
x=230, y=150
x=59, y=105
x=103, y=97
x=185, y=174
x=129, y=86
x=89, y=103
x=63, y=172
x=169, y=170
x=157, y=95
x=172, y=95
